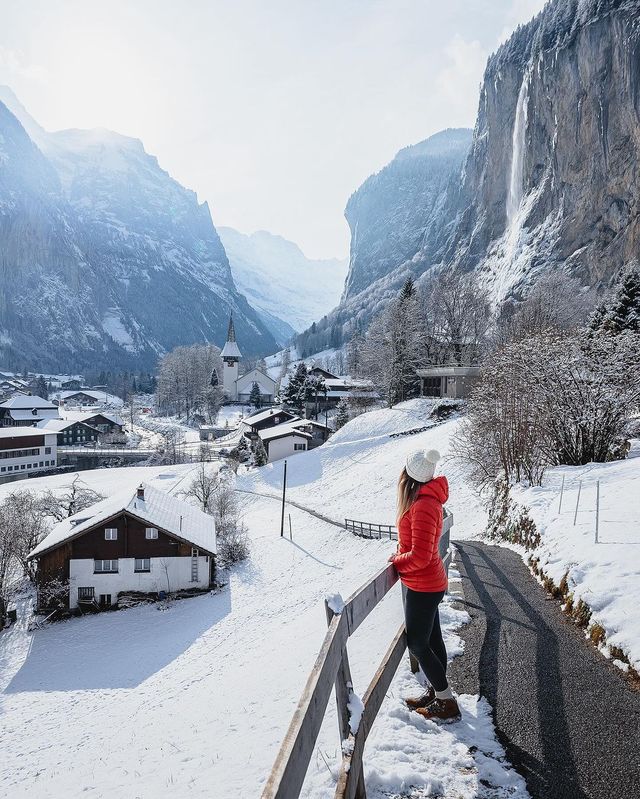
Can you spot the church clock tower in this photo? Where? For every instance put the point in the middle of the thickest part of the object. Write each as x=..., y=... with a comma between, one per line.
x=230, y=357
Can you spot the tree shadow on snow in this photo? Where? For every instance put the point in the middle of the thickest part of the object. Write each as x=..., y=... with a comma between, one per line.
x=119, y=649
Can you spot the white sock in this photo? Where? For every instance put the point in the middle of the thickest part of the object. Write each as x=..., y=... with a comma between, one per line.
x=446, y=694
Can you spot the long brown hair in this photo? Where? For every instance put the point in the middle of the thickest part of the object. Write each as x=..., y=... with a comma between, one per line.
x=407, y=492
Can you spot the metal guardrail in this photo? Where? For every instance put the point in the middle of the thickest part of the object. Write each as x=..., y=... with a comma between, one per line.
x=332, y=669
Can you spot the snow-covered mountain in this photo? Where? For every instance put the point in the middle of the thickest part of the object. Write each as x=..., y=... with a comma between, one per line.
x=106, y=260
x=550, y=182
x=289, y=290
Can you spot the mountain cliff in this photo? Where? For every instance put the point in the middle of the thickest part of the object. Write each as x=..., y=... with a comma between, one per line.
x=105, y=260
x=288, y=290
x=398, y=212
x=550, y=182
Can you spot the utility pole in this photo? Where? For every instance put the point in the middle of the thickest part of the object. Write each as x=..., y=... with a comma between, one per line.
x=284, y=492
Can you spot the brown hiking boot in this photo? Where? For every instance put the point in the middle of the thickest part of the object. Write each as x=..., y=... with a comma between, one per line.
x=441, y=710
x=413, y=703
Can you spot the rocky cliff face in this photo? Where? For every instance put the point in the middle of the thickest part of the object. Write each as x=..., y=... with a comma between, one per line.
x=551, y=180
x=398, y=212
x=561, y=97
x=105, y=260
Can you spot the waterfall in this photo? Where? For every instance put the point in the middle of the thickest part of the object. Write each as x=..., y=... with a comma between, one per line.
x=514, y=197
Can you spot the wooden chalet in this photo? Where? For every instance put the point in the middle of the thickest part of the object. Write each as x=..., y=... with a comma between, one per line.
x=143, y=541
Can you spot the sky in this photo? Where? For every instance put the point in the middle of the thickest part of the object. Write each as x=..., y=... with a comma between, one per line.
x=274, y=111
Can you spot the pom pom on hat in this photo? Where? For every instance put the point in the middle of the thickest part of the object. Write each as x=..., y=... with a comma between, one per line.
x=421, y=465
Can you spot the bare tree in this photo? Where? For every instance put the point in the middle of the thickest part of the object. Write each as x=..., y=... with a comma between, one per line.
x=556, y=302
x=188, y=381
x=23, y=515
x=459, y=319
x=203, y=488
x=76, y=496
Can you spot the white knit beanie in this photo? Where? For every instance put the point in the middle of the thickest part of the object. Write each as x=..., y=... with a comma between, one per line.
x=421, y=465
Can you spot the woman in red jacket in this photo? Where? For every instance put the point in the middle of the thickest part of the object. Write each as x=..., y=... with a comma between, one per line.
x=424, y=579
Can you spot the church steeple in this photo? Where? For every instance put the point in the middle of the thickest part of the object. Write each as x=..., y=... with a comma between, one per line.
x=231, y=332
x=231, y=351
x=230, y=356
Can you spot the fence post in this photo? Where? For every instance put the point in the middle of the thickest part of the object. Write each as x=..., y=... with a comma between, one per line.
x=575, y=515
x=561, y=495
x=344, y=688
x=597, y=508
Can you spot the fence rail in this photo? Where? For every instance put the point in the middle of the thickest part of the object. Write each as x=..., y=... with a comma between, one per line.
x=371, y=529
x=330, y=670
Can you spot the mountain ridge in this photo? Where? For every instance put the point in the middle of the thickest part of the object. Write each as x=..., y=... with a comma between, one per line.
x=126, y=261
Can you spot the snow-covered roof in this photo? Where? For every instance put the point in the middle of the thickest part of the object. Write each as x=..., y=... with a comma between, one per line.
x=82, y=416
x=157, y=509
x=57, y=425
x=306, y=422
x=282, y=431
x=20, y=401
x=101, y=397
x=260, y=416
x=231, y=350
x=20, y=432
x=26, y=415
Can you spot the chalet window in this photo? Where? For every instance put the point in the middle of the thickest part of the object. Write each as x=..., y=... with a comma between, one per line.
x=142, y=565
x=111, y=534
x=105, y=566
x=86, y=593
x=299, y=447
x=47, y=450
x=151, y=532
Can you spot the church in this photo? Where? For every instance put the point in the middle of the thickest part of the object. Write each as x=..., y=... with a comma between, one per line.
x=237, y=388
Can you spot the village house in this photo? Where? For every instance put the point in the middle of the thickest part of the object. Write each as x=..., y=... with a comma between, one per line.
x=26, y=450
x=262, y=420
x=88, y=398
x=71, y=385
x=70, y=433
x=107, y=424
x=284, y=441
x=24, y=410
x=141, y=540
x=450, y=382
x=237, y=388
x=319, y=432
x=338, y=388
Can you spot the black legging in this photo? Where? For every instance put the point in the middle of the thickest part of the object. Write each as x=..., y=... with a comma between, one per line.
x=424, y=636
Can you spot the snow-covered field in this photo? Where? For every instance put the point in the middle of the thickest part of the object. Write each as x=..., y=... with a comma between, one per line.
x=193, y=698
x=606, y=575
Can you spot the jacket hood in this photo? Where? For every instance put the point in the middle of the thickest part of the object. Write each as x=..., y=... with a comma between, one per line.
x=438, y=488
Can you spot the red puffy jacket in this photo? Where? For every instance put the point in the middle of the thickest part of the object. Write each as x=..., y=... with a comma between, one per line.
x=418, y=561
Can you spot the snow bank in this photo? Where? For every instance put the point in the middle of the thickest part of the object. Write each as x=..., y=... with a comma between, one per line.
x=606, y=575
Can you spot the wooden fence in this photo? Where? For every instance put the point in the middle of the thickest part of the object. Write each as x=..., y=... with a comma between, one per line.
x=332, y=669
x=371, y=530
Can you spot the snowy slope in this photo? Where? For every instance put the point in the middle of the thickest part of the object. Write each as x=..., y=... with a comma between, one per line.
x=354, y=474
x=606, y=575
x=280, y=281
x=169, y=701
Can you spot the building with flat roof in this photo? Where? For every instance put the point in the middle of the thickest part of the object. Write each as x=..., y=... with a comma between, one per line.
x=450, y=382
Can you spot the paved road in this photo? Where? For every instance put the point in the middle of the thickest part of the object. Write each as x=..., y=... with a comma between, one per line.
x=569, y=721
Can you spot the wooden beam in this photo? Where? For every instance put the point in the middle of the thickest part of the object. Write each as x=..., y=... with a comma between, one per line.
x=351, y=770
x=363, y=601
x=290, y=768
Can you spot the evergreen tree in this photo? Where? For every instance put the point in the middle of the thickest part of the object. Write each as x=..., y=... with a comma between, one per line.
x=622, y=311
x=625, y=310
x=342, y=416
x=259, y=454
x=254, y=396
x=296, y=389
